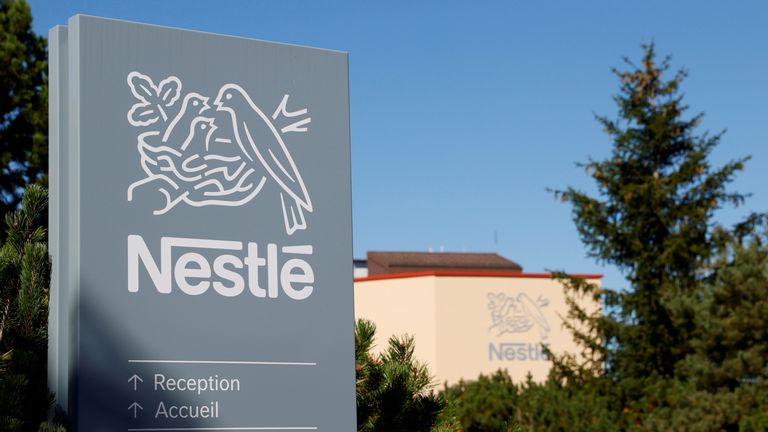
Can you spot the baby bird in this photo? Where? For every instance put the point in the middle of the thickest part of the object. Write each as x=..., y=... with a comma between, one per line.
x=193, y=105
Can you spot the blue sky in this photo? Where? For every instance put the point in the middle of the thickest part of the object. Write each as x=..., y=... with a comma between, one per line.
x=463, y=113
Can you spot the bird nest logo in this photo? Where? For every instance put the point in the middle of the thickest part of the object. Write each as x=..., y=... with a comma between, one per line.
x=517, y=314
x=190, y=159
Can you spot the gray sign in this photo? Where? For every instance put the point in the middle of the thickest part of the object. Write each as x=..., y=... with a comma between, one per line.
x=201, y=232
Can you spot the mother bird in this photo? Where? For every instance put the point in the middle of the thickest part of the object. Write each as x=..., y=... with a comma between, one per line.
x=260, y=141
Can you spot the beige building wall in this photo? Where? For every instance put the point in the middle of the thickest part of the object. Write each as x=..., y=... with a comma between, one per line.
x=468, y=325
x=398, y=307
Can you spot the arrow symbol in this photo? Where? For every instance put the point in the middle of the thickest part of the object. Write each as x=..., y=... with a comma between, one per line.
x=135, y=407
x=135, y=378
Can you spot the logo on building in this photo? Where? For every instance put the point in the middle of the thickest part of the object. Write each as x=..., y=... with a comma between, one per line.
x=222, y=153
x=517, y=314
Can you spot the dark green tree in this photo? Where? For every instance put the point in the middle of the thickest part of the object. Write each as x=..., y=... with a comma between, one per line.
x=685, y=347
x=723, y=383
x=653, y=218
x=394, y=391
x=488, y=404
x=494, y=403
x=23, y=103
x=24, y=283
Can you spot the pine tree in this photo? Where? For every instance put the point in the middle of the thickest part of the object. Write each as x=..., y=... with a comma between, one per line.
x=730, y=340
x=723, y=384
x=23, y=103
x=393, y=389
x=685, y=346
x=488, y=404
x=24, y=284
x=653, y=218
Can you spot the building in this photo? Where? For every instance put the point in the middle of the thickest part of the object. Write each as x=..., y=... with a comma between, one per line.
x=470, y=313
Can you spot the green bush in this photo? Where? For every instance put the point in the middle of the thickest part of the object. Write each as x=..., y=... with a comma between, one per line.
x=24, y=283
x=394, y=390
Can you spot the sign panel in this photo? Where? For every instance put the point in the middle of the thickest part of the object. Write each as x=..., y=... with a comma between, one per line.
x=208, y=233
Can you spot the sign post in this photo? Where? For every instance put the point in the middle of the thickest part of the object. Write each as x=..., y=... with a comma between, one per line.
x=201, y=224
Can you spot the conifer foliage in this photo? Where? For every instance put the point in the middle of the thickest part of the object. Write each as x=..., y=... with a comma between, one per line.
x=653, y=218
x=684, y=346
x=394, y=391
x=24, y=283
x=23, y=103
x=723, y=384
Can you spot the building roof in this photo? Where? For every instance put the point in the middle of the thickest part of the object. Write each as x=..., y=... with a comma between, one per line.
x=385, y=263
x=475, y=274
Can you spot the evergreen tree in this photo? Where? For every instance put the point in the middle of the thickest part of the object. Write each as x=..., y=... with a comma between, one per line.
x=685, y=348
x=23, y=103
x=488, y=404
x=730, y=340
x=24, y=283
x=494, y=403
x=723, y=384
x=653, y=218
x=393, y=389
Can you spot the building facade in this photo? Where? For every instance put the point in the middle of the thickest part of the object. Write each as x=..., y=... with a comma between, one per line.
x=469, y=313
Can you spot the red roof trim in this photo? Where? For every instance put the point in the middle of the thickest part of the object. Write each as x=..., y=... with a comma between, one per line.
x=471, y=274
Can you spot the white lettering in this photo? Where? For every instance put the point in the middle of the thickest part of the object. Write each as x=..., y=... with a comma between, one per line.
x=183, y=271
x=210, y=410
x=198, y=385
x=137, y=249
x=238, y=285
x=161, y=411
x=193, y=274
x=287, y=278
x=254, y=262
x=159, y=381
x=272, y=270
